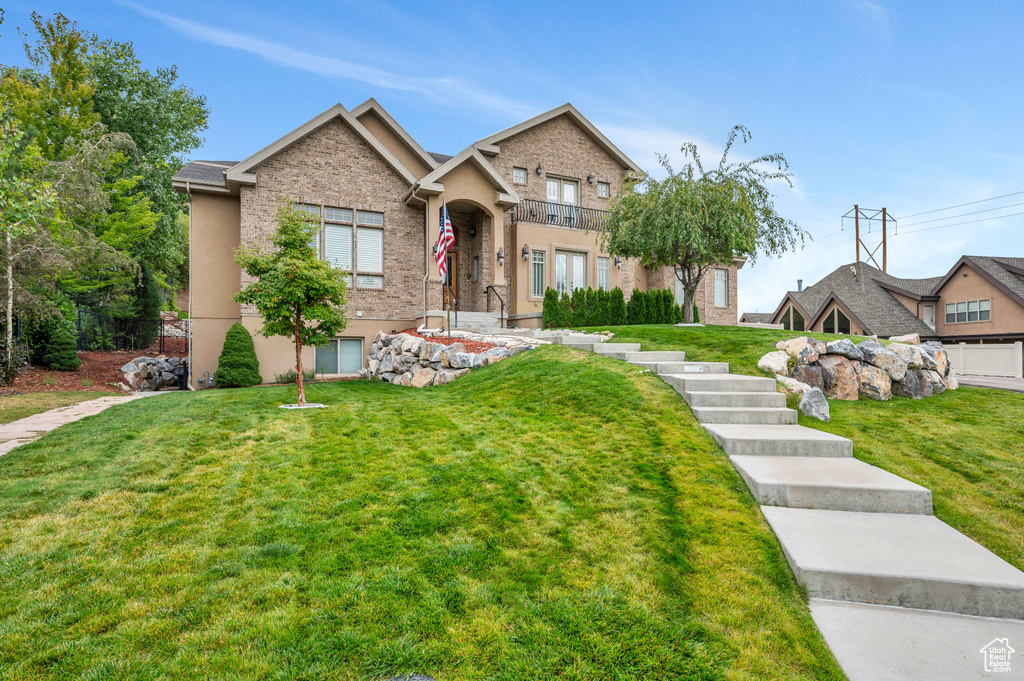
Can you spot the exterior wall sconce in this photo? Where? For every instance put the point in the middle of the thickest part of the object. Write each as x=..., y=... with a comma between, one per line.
x=526, y=252
x=472, y=232
x=618, y=262
x=539, y=171
x=434, y=251
x=590, y=178
x=501, y=257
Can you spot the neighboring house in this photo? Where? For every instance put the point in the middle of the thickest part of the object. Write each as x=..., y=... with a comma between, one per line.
x=979, y=299
x=756, y=318
x=527, y=205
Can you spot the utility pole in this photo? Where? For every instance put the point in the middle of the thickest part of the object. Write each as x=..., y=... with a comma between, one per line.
x=885, y=244
x=871, y=215
x=856, y=223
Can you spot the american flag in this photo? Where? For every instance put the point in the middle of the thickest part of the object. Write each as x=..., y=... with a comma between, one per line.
x=445, y=240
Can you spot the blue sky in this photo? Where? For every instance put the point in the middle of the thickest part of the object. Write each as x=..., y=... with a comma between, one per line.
x=911, y=106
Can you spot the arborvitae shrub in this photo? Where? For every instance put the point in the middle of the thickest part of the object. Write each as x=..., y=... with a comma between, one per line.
x=593, y=312
x=148, y=304
x=579, y=308
x=678, y=314
x=62, y=352
x=238, y=366
x=696, y=314
x=631, y=308
x=617, y=307
x=668, y=305
x=552, y=309
x=603, y=300
x=564, y=310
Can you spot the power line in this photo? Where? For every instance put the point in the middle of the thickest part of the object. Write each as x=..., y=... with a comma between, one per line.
x=961, y=205
x=957, y=224
x=962, y=215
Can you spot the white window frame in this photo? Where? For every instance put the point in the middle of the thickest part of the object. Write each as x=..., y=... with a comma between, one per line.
x=515, y=175
x=559, y=210
x=315, y=210
x=604, y=190
x=340, y=218
x=722, y=277
x=603, y=274
x=538, y=258
x=369, y=277
x=962, y=310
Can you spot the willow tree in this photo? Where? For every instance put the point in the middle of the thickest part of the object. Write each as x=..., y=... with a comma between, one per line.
x=696, y=218
x=298, y=295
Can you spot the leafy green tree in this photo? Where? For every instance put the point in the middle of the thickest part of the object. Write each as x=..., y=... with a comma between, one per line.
x=552, y=309
x=617, y=307
x=62, y=353
x=298, y=295
x=238, y=366
x=697, y=218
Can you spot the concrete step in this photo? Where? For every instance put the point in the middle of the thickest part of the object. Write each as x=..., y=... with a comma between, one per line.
x=834, y=484
x=713, y=399
x=884, y=643
x=759, y=415
x=748, y=440
x=717, y=383
x=583, y=342
x=645, y=355
x=914, y=561
x=612, y=348
x=684, y=367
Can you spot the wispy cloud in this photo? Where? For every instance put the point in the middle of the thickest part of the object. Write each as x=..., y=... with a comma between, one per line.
x=444, y=90
x=877, y=17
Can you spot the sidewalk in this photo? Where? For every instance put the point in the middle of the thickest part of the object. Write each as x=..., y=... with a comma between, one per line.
x=33, y=427
x=1013, y=384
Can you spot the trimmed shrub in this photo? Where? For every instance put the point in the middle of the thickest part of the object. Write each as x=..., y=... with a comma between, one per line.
x=668, y=304
x=617, y=307
x=552, y=309
x=603, y=302
x=148, y=304
x=579, y=308
x=593, y=310
x=696, y=314
x=62, y=351
x=289, y=376
x=238, y=366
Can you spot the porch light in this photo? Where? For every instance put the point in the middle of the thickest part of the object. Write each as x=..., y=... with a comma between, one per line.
x=501, y=257
x=472, y=232
x=590, y=178
x=618, y=262
x=434, y=251
x=526, y=252
x=539, y=171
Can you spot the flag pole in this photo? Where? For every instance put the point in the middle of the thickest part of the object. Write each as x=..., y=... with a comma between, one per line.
x=444, y=284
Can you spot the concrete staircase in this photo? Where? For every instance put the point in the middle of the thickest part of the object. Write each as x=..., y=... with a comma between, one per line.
x=480, y=322
x=897, y=593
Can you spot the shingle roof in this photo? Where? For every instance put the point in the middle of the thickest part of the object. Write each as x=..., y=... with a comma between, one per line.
x=995, y=267
x=757, y=317
x=857, y=288
x=204, y=172
x=440, y=158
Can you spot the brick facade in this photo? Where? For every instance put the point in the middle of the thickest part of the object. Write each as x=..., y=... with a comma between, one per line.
x=664, y=277
x=333, y=166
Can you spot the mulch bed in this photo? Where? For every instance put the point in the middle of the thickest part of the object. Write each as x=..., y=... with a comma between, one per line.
x=471, y=346
x=101, y=369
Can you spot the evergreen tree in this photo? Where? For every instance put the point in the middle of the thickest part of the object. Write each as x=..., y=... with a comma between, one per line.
x=603, y=304
x=579, y=307
x=552, y=309
x=62, y=353
x=668, y=306
x=564, y=310
x=238, y=366
x=696, y=314
x=617, y=307
x=593, y=312
x=147, y=304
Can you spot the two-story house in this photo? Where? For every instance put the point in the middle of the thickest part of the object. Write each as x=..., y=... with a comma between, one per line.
x=526, y=203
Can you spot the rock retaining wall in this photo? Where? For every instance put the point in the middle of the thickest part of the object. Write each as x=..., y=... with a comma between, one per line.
x=405, y=359
x=150, y=373
x=847, y=371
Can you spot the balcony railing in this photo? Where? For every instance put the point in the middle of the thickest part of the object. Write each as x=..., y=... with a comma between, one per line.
x=550, y=213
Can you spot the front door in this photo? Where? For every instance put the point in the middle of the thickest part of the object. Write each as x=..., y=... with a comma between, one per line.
x=451, y=291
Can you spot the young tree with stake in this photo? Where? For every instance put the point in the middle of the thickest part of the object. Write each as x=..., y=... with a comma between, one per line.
x=697, y=218
x=298, y=295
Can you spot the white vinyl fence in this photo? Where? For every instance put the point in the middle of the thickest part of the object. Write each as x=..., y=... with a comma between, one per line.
x=988, y=359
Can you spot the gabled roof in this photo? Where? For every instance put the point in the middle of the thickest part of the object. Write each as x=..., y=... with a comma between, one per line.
x=242, y=171
x=204, y=172
x=864, y=293
x=431, y=184
x=756, y=317
x=440, y=158
x=491, y=145
x=373, y=105
x=1004, y=273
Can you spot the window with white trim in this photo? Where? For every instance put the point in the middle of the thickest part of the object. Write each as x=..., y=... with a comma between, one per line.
x=969, y=311
x=369, y=257
x=537, y=274
x=365, y=217
x=602, y=274
x=519, y=175
x=562, y=199
x=337, y=240
x=313, y=211
x=604, y=190
x=721, y=288
x=340, y=356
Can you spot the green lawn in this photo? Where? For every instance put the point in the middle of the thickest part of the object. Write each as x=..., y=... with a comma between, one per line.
x=964, y=445
x=557, y=515
x=16, y=407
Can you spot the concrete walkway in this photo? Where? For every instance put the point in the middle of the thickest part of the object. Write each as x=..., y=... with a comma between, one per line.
x=896, y=593
x=17, y=433
x=1012, y=384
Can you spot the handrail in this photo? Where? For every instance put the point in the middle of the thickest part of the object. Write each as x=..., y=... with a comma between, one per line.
x=487, y=293
x=564, y=215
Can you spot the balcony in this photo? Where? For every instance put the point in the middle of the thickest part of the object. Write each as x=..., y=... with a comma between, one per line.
x=559, y=214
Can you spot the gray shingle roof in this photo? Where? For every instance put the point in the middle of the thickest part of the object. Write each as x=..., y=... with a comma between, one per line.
x=205, y=172
x=757, y=317
x=440, y=158
x=994, y=267
x=856, y=285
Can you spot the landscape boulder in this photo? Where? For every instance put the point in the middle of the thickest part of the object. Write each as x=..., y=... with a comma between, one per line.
x=811, y=375
x=909, y=339
x=805, y=349
x=449, y=375
x=840, y=377
x=914, y=385
x=844, y=347
x=875, y=383
x=791, y=385
x=456, y=360
x=884, y=359
x=913, y=355
x=129, y=368
x=933, y=378
x=814, y=404
x=950, y=380
x=776, y=362
x=422, y=376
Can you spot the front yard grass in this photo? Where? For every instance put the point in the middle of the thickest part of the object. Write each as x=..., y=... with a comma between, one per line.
x=555, y=516
x=14, y=407
x=964, y=445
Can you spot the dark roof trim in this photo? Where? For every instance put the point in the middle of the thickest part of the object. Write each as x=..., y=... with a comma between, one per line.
x=788, y=298
x=846, y=310
x=966, y=261
x=904, y=292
